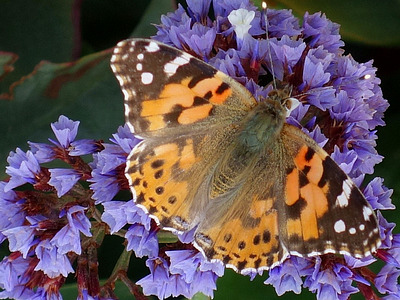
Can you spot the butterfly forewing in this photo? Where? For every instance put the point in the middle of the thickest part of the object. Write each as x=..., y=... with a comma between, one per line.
x=324, y=211
x=166, y=90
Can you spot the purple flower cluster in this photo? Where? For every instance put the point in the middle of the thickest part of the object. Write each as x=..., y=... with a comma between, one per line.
x=52, y=221
x=43, y=224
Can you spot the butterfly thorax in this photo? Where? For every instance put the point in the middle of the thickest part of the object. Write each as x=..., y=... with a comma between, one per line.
x=259, y=131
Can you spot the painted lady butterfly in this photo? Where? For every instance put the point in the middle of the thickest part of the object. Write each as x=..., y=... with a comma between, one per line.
x=254, y=188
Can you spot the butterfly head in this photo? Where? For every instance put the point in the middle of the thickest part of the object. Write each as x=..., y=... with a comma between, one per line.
x=266, y=120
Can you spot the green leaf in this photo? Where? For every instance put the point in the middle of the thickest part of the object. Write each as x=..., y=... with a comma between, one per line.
x=35, y=30
x=366, y=21
x=84, y=90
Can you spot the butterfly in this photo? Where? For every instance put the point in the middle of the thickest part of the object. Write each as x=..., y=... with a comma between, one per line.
x=214, y=160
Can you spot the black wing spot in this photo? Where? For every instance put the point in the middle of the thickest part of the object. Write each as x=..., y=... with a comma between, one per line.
x=303, y=180
x=153, y=209
x=140, y=198
x=266, y=236
x=197, y=101
x=242, y=264
x=227, y=237
x=309, y=155
x=159, y=190
x=172, y=199
x=241, y=245
x=157, y=163
x=158, y=174
x=222, y=88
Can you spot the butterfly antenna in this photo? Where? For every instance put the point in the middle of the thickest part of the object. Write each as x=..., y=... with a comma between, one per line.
x=264, y=7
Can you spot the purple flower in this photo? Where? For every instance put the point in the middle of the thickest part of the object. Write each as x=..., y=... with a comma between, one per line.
x=387, y=280
x=321, y=31
x=51, y=261
x=191, y=267
x=82, y=147
x=198, y=10
x=21, y=238
x=330, y=283
x=107, y=164
x=115, y=215
x=10, y=209
x=68, y=238
x=200, y=39
x=378, y=195
x=285, y=55
x=136, y=215
x=287, y=276
x=63, y=180
x=281, y=23
x=187, y=275
x=43, y=152
x=142, y=241
x=386, y=229
x=65, y=131
x=23, y=168
x=158, y=281
x=12, y=272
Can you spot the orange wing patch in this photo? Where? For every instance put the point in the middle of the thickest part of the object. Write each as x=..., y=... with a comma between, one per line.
x=151, y=176
x=218, y=90
x=186, y=102
x=303, y=189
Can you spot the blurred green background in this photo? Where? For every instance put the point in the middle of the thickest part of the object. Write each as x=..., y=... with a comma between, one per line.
x=54, y=59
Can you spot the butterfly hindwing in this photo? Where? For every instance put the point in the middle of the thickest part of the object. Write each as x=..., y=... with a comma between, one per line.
x=171, y=176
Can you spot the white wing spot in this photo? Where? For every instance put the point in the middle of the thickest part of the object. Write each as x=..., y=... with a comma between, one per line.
x=361, y=227
x=367, y=212
x=343, y=199
x=140, y=56
x=352, y=230
x=147, y=78
x=339, y=226
x=125, y=56
x=139, y=67
x=121, y=43
x=127, y=95
x=171, y=67
x=152, y=47
x=131, y=49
